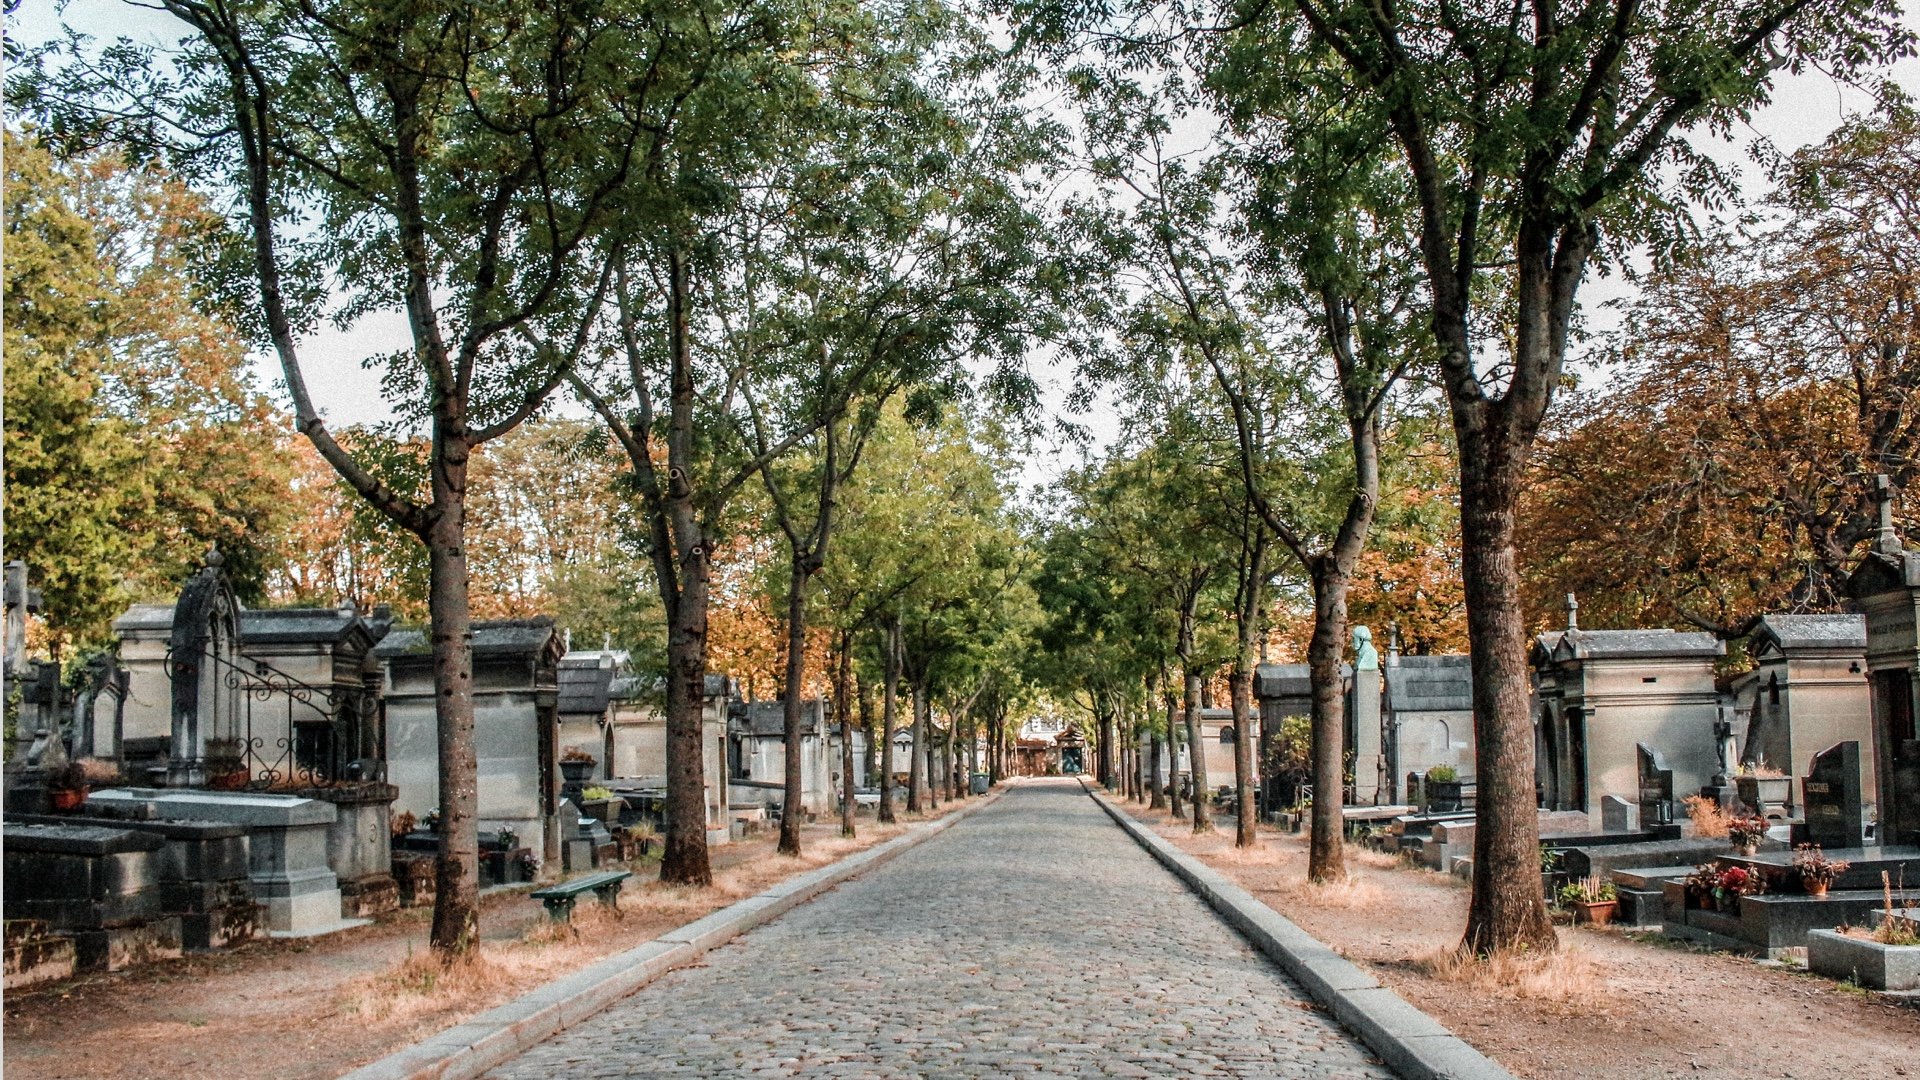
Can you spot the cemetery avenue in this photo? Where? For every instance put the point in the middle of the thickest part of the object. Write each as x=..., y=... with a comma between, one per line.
x=904, y=538
x=1003, y=977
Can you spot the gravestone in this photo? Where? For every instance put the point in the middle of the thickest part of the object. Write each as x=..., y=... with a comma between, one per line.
x=1617, y=815
x=1832, y=797
x=1656, y=788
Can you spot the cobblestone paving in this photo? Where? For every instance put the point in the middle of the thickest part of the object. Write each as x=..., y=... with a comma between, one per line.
x=1032, y=939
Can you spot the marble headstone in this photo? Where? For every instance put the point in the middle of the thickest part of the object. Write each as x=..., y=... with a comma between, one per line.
x=1832, y=797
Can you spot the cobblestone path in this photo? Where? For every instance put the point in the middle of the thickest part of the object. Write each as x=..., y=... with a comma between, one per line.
x=1034, y=938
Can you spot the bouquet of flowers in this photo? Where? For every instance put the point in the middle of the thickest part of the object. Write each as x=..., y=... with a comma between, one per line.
x=1747, y=831
x=1817, y=872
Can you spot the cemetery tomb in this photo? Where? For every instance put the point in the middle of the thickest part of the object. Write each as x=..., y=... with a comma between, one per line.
x=287, y=839
x=1600, y=693
x=584, y=708
x=1281, y=690
x=95, y=884
x=1372, y=763
x=758, y=760
x=1886, y=589
x=1807, y=692
x=1428, y=717
x=638, y=740
x=515, y=695
x=1217, y=735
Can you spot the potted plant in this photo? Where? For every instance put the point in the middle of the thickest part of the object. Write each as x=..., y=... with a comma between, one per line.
x=602, y=803
x=576, y=765
x=1443, y=788
x=1592, y=900
x=1745, y=833
x=1761, y=786
x=1549, y=869
x=1714, y=888
x=1817, y=872
x=67, y=788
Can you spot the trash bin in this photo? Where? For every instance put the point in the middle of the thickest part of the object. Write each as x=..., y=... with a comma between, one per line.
x=979, y=786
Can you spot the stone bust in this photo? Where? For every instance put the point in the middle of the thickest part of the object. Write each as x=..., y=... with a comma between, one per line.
x=1365, y=657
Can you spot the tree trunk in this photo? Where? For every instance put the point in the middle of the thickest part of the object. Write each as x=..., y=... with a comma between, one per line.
x=1175, y=803
x=917, y=757
x=456, y=898
x=889, y=708
x=1507, y=910
x=1197, y=750
x=1156, y=795
x=1252, y=605
x=869, y=723
x=683, y=858
x=843, y=713
x=1326, y=858
x=791, y=807
x=1240, y=688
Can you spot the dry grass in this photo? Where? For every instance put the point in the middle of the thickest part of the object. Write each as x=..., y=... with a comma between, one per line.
x=422, y=983
x=1567, y=975
x=1709, y=820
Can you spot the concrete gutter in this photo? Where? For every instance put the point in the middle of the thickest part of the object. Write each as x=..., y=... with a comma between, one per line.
x=471, y=1048
x=1412, y=1043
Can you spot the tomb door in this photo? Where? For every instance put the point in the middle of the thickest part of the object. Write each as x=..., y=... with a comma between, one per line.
x=1897, y=746
x=1576, y=763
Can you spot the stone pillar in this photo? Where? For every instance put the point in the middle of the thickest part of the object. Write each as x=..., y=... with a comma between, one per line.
x=1363, y=715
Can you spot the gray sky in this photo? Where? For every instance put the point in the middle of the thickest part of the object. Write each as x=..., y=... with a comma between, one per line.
x=1806, y=108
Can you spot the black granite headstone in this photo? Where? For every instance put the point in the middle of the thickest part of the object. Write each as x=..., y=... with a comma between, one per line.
x=1656, y=788
x=1832, y=792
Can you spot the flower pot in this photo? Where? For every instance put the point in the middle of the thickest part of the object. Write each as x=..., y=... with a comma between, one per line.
x=228, y=781
x=67, y=800
x=577, y=772
x=1749, y=849
x=1817, y=889
x=1597, y=912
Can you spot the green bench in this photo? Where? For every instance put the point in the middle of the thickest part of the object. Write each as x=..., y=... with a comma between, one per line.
x=559, y=898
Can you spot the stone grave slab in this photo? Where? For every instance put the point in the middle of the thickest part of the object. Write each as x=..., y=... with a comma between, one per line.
x=292, y=883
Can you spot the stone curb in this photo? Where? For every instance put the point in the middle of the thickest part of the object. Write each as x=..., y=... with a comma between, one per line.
x=481, y=1042
x=1412, y=1043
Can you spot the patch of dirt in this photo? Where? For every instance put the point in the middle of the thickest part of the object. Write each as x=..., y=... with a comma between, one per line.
x=315, y=1008
x=1609, y=1005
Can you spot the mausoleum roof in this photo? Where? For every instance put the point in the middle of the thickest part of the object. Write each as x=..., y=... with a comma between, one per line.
x=491, y=637
x=291, y=626
x=1634, y=644
x=1788, y=633
x=768, y=719
x=1429, y=683
x=585, y=684
x=1281, y=680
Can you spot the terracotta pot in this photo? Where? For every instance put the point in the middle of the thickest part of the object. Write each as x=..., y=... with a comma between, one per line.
x=1817, y=888
x=228, y=781
x=67, y=800
x=1597, y=912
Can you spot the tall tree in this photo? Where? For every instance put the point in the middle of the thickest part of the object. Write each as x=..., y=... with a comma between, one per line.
x=1763, y=381
x=136, y=441
x=451, y=161
x=1535, y=138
